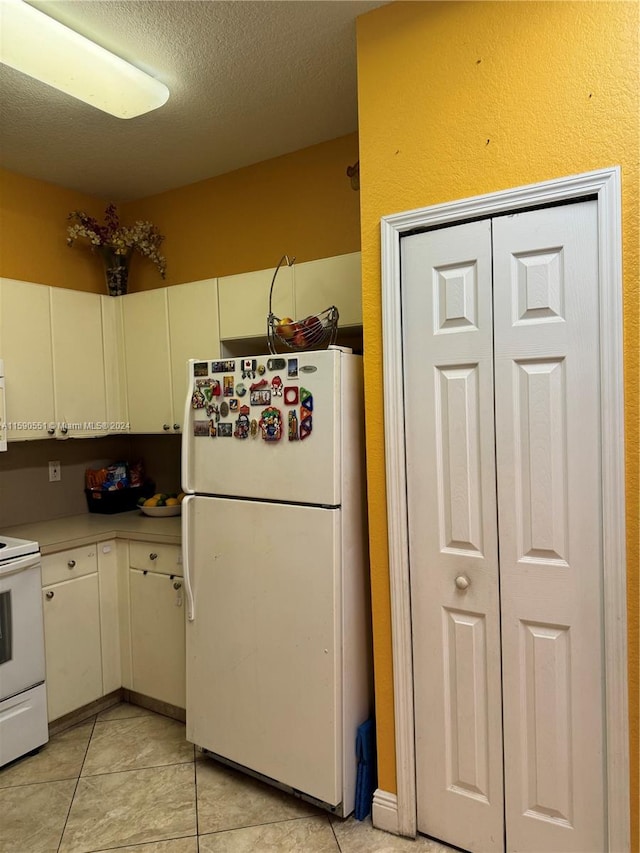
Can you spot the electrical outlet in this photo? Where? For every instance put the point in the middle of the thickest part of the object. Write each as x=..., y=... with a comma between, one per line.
x=54, y=472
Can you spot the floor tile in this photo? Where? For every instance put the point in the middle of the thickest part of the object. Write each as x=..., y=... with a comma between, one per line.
x=59, y=759
x=177, y=845
x=311, y=835
x=33, y=816
x=355, y=836
x=135, y=743
x=122, y=711
x=119, y=809
x=228, y=799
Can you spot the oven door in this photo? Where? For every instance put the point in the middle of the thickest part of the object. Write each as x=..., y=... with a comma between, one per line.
x=21, y=628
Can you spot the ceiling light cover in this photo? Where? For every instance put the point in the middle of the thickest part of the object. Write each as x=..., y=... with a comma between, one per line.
x=39, y=46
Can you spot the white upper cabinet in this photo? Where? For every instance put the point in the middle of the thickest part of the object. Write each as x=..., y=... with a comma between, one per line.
x=78, y=363
x=193, y=333
x=163, y=328
x=115, y=378
x=326, y=282
x=51, y=342
x=299, y=291
x=148, y=363
x=244, y=301
x=25, y=346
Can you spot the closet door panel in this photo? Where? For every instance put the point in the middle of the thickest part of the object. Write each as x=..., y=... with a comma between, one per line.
x=549, y=506
x=448, y=367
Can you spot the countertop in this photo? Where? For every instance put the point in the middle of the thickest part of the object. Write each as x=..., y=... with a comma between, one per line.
x=75, y=530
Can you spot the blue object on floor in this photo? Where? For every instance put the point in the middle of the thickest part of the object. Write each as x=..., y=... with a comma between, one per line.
x=366, y=778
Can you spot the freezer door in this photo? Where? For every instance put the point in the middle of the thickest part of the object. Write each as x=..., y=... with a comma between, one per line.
x=230, y=441
x=263, y=649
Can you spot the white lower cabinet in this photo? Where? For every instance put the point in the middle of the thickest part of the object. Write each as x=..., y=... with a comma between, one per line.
x=108, y=559
x=157, y=636
x=72, y=644
x=113, y=617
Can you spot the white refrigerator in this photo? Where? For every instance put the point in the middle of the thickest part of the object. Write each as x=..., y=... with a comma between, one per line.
x=276, y=568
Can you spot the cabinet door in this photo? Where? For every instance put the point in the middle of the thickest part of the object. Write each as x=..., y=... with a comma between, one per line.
x=148, y=368
x=114, y=364
x=109, y=616
x=330, y=281
x=78, y=362
x=72, y=644
x=25, y=346
x=194, y=333
x=244, y=302
x=157, y=636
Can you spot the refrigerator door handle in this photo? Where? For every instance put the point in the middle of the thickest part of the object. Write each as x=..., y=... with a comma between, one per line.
x=186, y=437
x=186, y=551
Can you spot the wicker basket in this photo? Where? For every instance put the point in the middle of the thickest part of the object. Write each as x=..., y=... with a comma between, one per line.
x=317, y=331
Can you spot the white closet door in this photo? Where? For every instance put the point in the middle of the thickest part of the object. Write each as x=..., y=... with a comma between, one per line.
x=449, y=417
x=548, y=464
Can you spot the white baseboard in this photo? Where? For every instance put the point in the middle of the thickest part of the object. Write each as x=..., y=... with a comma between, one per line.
x=384, y=814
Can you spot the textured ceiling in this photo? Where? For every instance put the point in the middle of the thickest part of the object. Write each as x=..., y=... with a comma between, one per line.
x=249, y=80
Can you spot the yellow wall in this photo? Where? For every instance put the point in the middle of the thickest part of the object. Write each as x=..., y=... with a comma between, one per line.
x=33, y=234
x=460, y=99
x=301, y=204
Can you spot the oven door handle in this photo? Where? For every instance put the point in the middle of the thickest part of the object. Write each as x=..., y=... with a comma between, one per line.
x=12, y=567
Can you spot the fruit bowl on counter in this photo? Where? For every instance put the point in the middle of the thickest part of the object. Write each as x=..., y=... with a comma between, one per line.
x=162, y=504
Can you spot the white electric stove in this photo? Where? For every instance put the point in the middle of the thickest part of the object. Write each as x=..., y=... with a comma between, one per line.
x=23, y=698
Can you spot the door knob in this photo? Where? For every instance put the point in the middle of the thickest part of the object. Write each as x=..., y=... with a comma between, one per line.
x=176, y=426
x=50, y=595
x=166, y=427
x=71, y=564
x=462, y=582
x=153, y=556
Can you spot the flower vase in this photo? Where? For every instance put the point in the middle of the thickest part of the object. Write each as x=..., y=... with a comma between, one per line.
x=117, y=273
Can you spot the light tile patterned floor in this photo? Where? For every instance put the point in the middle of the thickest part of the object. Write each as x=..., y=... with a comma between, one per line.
x=129, y=781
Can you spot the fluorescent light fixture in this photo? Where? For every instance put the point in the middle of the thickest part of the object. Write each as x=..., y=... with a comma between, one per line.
x=39, y=46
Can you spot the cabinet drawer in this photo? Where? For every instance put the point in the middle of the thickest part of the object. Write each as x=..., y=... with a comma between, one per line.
x=69, y=564
x=166, y=559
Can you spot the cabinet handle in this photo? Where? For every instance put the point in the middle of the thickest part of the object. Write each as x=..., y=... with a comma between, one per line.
x=50, y=594
x=153, y=556
x=176, y=426
x=51, y=431
x=177, y=585
x=166, y=427
x=72, y=564
x=64, y=430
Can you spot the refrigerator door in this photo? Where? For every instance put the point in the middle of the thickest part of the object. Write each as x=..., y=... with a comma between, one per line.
x=263, y=649
x=230, y=445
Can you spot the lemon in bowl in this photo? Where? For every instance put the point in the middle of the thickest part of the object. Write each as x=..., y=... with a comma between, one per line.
x=161, y=504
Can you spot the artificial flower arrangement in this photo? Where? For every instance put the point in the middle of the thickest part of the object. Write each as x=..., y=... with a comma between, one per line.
x=117, y=242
